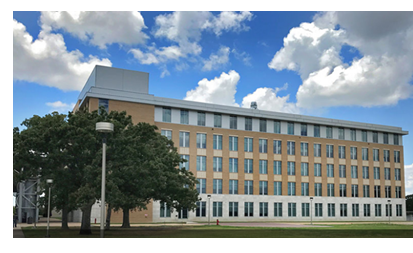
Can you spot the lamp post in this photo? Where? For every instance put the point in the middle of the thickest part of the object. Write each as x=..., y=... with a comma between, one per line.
x=103, y=127
x=311, y=210
x=209, y=208
x=50, y=182
x=389, y=209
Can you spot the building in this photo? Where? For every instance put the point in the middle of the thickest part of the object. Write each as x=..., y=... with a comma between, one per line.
x=263, y=165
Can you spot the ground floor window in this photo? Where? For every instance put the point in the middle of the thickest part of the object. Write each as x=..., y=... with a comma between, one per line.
x=305, y=209
x=217, y=209
x=233, y=209
x=278, y=209
x=292, y=212
x=399, y=210
x=249, y=209
x=263, y=209
x=200, y=209
x=165, y=211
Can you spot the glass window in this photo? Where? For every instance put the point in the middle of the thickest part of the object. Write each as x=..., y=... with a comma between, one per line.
x=201, y=163
x=354, y=191
x=292, y=209
x=366, y=191
x=263, y=188
x=291, y=188
x=375, y=137
x=386, y=155
x=233, y=122
x=303, y=129
x=399, y=210
x=247, y=144
x=341, y=133
x=291, y=168
x=217, y=142
x=305, y=209
x=277, y=127
x=318, y=210
x=364, y=135
x=376, y=172
x=233, y=143
x=262, y=145
x=355, y=210
x=290, y=147
x=233, y=209
x=304, y=149
x=388, y=210
x=330, y=151
x=278, y=209
x=343, y=190
x=353, y=134
x=201, y=186
x=200, y=209
x=165, y=210
x=395, y=139
x=342, y=152
x=343, y=210
x=263, y=167
x=217, y=186
x=387, y=173
x=217, y=164
x=365, y=154
x=304, y=189
x=277, y=167
x=167, y=134
x=233, y=186
x=290, y=128
x=330, y=190
x=248, y=165
x=104, y=103
x=277, y=147
x=317, y=189
x=385, y=138
x=201, y=118
x=331, y=209
x=249, y=209
x=329, y=132
x=316, y=131
x=200, y=140
x=398, y=192
x=304, y=169
x=377, y=191
x=184, y=117
x=278, y=188
x=330, y=170
x=217, y=120
x=353, y=153
x=354, y=172
x=248, y=187
x=397, y=156
x=248, y=124
x=233, y=165
x=263, y=209
x=397, y=174
x=186, y=163
x=263, y=125
x=317, y=150
x=377, y=209
x=342, y=170
x=184, y=139
x=365, y=172
x=217, y=209
x=166, y=114
x=387, y=191
x=317, y=169
x=376, y=155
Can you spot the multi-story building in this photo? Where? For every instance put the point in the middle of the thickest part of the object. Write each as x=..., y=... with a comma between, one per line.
x=263, y=165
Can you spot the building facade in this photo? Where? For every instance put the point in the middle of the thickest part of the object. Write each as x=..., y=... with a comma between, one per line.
x=263, y=165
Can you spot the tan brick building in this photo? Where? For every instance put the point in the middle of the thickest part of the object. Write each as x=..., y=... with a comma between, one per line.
x=263, y=165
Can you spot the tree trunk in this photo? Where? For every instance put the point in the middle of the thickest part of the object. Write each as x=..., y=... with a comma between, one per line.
x=108, y=214
x=65, y=213
x=85, y=228
x=125, y=223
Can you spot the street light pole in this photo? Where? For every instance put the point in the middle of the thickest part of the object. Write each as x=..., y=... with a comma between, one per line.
x=311, y=210
x=103, y=127
x=209, y=208
x=50, y=182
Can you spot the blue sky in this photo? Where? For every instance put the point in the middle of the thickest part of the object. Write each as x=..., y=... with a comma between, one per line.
x=349, y=66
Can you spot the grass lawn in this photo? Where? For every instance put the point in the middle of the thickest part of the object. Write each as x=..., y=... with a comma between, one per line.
x=333, y=231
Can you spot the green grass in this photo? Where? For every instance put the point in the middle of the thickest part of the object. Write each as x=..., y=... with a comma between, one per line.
x=333, y=231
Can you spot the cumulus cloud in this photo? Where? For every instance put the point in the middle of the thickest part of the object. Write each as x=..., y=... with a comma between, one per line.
x=384, y=71
x=100, y=28
x=60, y=107
x=408, y=169
x=217, y=60
x=47, y=61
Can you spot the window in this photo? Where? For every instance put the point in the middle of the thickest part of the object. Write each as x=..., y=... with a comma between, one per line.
x=248, y=165
x=166, y=114
x=262, y=145
x=364, y=135
x=201, y=118
x=303, y=129
x=263, y=209
x=395, y=139
x=184, y=164
x=354, y=191
x=233, y=186
x=277, y=147
x=397, y=156
x=200, y=140
x=184, y=139
x=263, y=167
x=233, y=209
x=248, y=124
x=304, y=149
x=330, y=170
x=305, y=209
x=330, y=190
x=278, y=209
x=278, y=188
x=399, y=210
x=343, y=190
x=386, y=155
x=277, y=167
x=290, y=147
x=316, y=131
x=377, y=209
x=217, y=142
x=375, y=138
x=341, y=133
x=201, y=186
x=365, y=172
x=366, y=191
x=291, y=168
x=317, y=150
x=217, y=186
x=201, y=163
x=376, y=155
x=291, y=188
x=317, y=189
x=292, y=212
x=354, y=172
x=167, y=134
x=277, y=127
x=233, y=143
x=249, y=209
x=355, y=210
x=184, y=117
x=330, y=151
x=377, y=191
x=353, y=153
x=365, y=154
x=304, y=189
x=290, y=128
x=342, y=170
x=248, y=190
x=376, y=173
x=217, y=164
x=165, y=211
x=247, y=144
x=233, y=122
x=105, y=104
x=217, y=209
x=387, y=173
x=343, y=210
x=304, y=169
x=387, y=191
x=317, y=169
x=200, y=209
x=263, y=125
x=318, y=210
x=217, y=120
x=329, y=132
x=398, y=192
x=388, y=210
x=233, y=165
x=385, y=138
x=353, y=134
x=342, y=152
x=263, y=188
x=331, y=209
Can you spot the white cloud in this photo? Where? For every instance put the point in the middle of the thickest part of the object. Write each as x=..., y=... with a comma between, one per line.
x=242, y=56
x=100, y=28
x=383, y=72
x=229, y=20
x=46, y=60
x=215, y=61
x=408, y=172
x=60, y=107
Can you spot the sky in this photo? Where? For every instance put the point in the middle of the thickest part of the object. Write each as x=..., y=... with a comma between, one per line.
x=355, y=66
